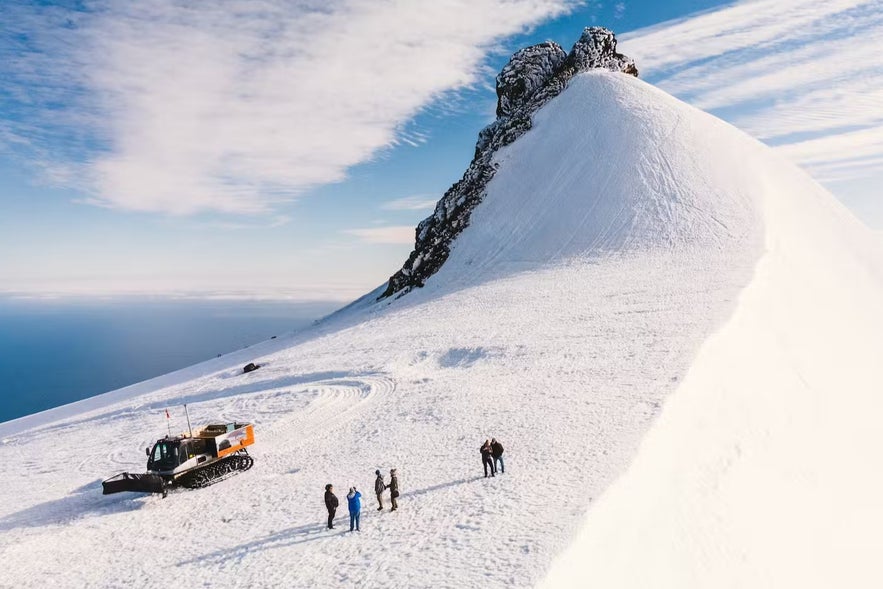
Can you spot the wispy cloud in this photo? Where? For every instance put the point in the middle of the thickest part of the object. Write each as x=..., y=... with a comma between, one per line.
x=395, y=234
x=233, y=106
x=802, y=75
x=269, y=222
x=417, y=202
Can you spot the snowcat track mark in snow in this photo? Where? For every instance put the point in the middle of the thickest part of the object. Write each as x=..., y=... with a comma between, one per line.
x=216, y=452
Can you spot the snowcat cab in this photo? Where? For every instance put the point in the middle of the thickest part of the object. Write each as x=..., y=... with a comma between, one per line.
x=171, y=455
x=216, y=452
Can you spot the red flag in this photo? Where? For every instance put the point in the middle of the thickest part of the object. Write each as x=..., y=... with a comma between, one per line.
x=167, y=414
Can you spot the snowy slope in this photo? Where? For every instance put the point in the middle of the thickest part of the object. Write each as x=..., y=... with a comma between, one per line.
x=764, y=468
x=631, y=251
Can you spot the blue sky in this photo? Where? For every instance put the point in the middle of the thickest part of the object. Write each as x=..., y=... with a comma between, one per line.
x=287, y=149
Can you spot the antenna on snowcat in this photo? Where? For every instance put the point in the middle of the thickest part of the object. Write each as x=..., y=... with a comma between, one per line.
x=190, y=427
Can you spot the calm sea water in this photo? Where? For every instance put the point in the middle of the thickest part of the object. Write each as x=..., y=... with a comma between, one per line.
x=52, y=353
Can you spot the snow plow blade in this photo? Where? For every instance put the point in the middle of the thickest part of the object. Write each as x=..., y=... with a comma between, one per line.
x=137, y=483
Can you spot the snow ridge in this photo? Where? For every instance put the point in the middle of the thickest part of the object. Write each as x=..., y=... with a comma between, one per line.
x=534, y=76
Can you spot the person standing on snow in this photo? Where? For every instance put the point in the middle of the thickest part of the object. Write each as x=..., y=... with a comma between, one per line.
x=497, y=453
x=379, y=487
x=486, y=459
x=393, y=487
x=330, y=503
x=354, y=501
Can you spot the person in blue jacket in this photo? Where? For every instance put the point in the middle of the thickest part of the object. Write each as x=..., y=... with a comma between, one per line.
x=354, y=499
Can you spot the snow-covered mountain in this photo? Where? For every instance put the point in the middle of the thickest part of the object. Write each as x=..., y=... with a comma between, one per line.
x=675, y=333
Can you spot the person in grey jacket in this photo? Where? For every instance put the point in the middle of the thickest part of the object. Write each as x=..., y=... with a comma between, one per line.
x=379, y=488
x=393, y=487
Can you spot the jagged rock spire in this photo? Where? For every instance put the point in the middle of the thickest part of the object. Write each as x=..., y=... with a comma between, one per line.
x=533, y=76
x=527, y=71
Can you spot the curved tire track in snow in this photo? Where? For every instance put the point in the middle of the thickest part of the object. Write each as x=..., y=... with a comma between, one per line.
x=334, y=403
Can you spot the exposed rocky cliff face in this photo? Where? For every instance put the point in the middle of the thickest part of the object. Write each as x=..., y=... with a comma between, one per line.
x=532, y=77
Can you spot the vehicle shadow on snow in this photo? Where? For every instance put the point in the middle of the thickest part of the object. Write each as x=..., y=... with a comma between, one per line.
x=80, y=503
x=305, y=533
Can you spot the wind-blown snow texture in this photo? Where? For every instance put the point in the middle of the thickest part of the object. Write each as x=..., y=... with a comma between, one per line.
x=533, y=77
x=618, y=234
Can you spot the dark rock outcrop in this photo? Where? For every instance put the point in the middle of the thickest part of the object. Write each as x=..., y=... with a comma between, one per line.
x=533, y=77
x=527, y=71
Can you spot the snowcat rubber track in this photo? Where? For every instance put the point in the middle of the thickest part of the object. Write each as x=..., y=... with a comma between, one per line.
x=218, y=471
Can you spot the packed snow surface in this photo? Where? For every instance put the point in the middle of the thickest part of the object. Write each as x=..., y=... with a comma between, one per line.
x=674, y=333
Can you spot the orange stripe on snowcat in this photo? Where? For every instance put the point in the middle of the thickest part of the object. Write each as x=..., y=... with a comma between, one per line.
x=239, y=439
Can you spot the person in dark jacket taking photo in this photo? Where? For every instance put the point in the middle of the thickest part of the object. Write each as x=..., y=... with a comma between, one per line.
x=330, y=504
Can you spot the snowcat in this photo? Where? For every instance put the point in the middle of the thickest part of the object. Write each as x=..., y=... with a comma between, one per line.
x=216, y=452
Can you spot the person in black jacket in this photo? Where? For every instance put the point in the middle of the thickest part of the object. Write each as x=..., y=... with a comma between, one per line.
x=379, y=487
x=393, y=487
x=486, y=459
x=497, y=453
x=331, y=504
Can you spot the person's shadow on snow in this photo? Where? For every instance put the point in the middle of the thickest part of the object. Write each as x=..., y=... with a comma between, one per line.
x=280, y=539
x=439, y=487
x=302, y=534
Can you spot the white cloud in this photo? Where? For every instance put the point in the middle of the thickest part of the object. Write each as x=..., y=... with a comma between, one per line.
x=417, y=202
x=841, y=156
x=234, y=106
x=805, y=76
x=394, y=234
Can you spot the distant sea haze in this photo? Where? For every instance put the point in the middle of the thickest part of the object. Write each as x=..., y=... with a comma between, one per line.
x=57, y=352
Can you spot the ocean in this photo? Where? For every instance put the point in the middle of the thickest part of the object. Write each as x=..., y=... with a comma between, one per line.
x=57, y=352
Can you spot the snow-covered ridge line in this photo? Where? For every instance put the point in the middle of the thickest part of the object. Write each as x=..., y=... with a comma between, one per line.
x=533, y=76
x=759, y=471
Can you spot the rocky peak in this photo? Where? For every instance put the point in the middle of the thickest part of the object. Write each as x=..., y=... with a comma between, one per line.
x=596, y=48
x=528, y=70
x=533, y=76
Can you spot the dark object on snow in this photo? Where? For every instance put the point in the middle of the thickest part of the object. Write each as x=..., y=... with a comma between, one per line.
x=534, y=76
x=250, y=367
